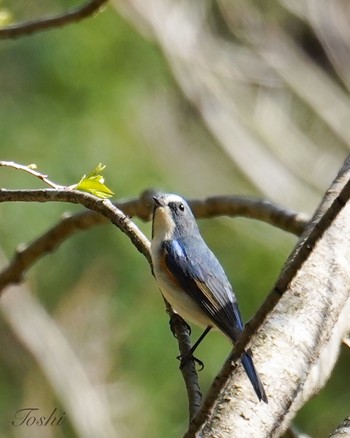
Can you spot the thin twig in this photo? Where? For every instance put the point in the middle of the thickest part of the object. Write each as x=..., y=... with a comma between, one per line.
x=41, y=24
x=182, y=332
x=31, y=170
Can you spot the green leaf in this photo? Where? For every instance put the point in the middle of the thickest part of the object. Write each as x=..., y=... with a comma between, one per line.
x=94, y=183
x=5, y=17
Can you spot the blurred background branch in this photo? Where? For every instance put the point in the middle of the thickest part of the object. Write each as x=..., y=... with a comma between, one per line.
x=87, y=405
x=246, y=85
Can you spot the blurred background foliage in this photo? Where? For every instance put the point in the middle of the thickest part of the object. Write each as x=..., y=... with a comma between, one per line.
x=197, y=98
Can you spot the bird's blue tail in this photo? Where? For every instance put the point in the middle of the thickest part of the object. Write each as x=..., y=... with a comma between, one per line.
x=249, y=368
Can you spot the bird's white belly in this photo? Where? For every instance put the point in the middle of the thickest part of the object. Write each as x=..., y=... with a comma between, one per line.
x=180, y=301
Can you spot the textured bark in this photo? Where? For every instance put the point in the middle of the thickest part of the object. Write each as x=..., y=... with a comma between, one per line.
x=297, y=347
x=343, y=430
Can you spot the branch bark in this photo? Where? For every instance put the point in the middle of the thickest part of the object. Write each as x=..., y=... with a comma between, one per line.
x=343, y=430
x=71, y=16
x=297, y=346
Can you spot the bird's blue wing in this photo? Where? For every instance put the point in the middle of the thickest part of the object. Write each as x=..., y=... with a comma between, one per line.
x=195, y=268
x=199, y=274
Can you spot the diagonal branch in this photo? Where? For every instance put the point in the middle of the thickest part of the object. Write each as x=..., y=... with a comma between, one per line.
x=333, y=203
x=118, y=214
x=26, y=256
x=335, y=199
x=71, y=16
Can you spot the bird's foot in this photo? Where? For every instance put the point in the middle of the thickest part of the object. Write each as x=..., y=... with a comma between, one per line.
x=184, y=360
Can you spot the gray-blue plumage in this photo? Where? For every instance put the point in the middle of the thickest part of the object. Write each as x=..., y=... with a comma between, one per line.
x=192, y=279
x=193, y=265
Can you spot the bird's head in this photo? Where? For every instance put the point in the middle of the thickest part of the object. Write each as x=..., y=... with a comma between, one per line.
x=172, y=218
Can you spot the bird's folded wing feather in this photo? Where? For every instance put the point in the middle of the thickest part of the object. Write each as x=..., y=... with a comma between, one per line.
x=201, y=276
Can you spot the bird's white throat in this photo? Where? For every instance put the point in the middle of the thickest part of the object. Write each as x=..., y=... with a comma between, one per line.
x=163, y=224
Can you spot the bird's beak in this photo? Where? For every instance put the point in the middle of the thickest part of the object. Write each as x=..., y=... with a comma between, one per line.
x=158, y=202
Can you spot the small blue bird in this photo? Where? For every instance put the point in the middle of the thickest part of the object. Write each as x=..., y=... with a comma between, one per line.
x=191, y=278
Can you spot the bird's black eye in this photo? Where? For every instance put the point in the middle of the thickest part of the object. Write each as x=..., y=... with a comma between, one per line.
x=175, y=206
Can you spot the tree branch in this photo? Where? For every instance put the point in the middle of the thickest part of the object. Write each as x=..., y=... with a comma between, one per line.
x=104, y=207
x=71, y=16
x=182, y=333
x=31, y=170
x=262, y=210
x=142, y=207
x=343, y=430
x=320, y=258
x=230, y=206
x=27, y=255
